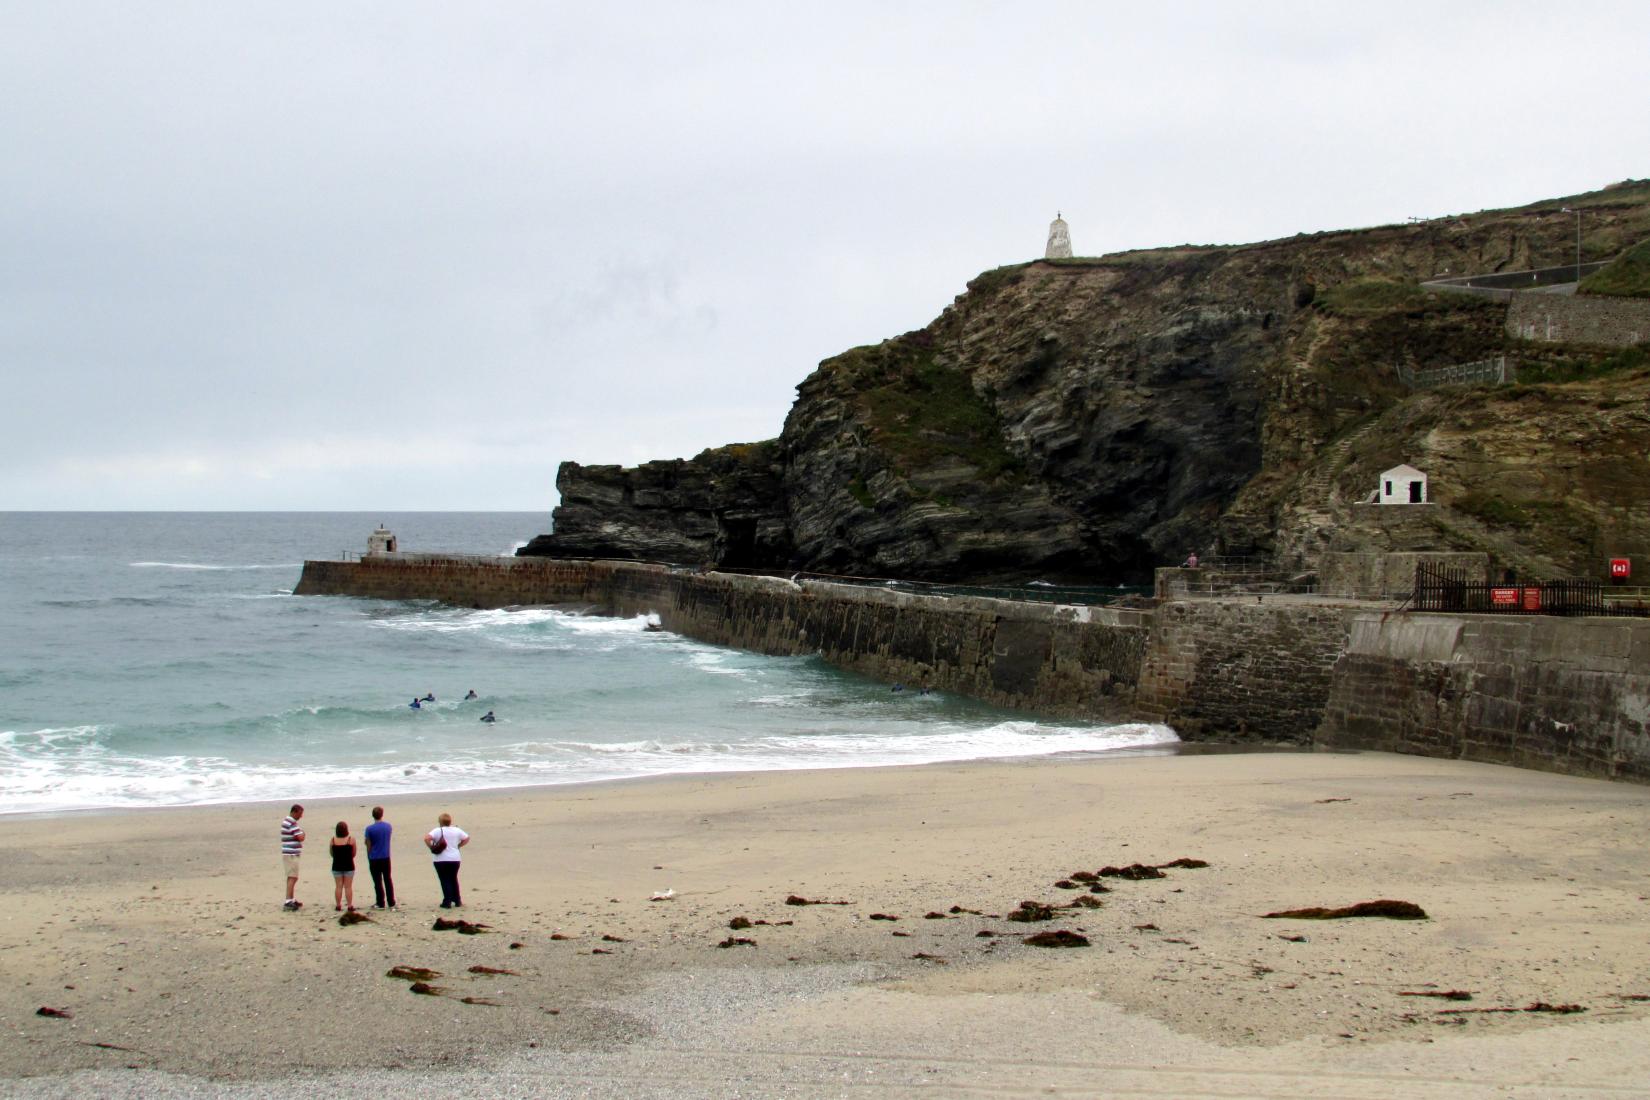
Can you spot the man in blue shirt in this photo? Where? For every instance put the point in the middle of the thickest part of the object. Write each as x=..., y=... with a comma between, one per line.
x=378, y=859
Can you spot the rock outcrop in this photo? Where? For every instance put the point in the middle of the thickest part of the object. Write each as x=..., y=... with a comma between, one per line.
x=1085, y=419
x=725, y=505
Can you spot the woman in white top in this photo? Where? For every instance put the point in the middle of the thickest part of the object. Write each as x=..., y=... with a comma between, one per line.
x=444, y=841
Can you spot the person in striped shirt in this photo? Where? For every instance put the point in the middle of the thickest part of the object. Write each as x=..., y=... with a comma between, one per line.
x=292, y=846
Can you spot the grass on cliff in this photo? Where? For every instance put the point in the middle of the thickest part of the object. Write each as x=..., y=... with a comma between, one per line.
x=1494, y=510
x=934, y=413
x=989, y=282
x=1628, y=276
x=1370, y=296
x=1375, y=297
x=1573, y=367
x=922, y=411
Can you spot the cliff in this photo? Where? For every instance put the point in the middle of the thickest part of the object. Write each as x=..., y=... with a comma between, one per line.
x=1085, y=419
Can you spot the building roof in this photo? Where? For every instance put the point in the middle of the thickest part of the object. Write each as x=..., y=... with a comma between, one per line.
x=1403, y=471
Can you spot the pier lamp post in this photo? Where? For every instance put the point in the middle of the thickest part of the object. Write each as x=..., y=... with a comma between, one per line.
x=1577, y=213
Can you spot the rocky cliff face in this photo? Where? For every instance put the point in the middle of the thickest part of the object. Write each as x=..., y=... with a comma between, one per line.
x=723, y=506
x=1087, y=419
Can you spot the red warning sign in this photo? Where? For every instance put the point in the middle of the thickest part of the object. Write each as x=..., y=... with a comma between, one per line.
x=1621, y=568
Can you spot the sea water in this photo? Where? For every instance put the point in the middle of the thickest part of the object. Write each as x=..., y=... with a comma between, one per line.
x=151, y=659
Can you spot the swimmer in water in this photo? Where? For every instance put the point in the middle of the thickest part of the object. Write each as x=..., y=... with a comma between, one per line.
x=415, y=704
x=429, y=697
x=488, y=717
x=472, y=695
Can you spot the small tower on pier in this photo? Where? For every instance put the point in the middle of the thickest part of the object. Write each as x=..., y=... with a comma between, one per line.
x=381, y=541
x=1059, y=240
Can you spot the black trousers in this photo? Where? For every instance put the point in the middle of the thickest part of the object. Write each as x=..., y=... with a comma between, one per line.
x=383, y=887
x=447, y=871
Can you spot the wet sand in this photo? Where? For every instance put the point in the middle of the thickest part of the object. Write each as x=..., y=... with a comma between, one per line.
x=161, y=934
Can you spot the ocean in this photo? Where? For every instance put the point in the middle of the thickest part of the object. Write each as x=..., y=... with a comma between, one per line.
x=160, y=659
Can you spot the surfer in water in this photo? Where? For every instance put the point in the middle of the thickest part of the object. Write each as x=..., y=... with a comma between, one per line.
x=488, y=717
x=472, y=695
x=415, y=704
x=429, y=696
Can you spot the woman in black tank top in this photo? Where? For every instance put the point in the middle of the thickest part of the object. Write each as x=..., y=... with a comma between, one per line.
x=343, y=868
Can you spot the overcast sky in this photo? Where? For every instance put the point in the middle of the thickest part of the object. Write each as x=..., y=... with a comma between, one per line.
x=414, y=255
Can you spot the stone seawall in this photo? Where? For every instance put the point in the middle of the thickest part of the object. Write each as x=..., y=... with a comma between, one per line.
x=1557, y=694
x=1391, y=575
x=1565, y=695
x=602, y=587
x=1241, y=670
x=1052, y=659
x=1614, y=322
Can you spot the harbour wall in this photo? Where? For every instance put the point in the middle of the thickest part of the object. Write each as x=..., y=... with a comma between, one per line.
x=1241, y=668
x=1052, y=659
x=1564, y=695
x=1556, y=694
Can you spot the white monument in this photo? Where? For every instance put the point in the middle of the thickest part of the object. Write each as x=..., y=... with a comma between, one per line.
x=1059, y=240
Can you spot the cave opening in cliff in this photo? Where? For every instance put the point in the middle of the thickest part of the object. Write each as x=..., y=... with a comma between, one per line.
x=736, y=543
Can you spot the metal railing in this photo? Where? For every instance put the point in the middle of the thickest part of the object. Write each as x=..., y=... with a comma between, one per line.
x=1494, y=370
x=1451, y=590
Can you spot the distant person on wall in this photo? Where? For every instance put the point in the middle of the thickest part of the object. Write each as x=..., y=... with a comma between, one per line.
x=444, y=841
x=378, y=859
x=1190, y=562
x=343, y=867
x=292, y=847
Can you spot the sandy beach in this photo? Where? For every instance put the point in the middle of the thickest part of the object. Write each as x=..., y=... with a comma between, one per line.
x=160, y=935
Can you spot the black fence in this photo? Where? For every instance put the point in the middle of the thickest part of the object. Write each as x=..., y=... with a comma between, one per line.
x=1444, y=589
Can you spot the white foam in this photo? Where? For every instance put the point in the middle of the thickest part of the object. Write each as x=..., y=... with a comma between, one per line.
x=445, y=620
x=201, y=565
x=786, y=699
x=601, y=624
x=88, y=776
x=52, y=738
x=450, y=621
x=714, y=661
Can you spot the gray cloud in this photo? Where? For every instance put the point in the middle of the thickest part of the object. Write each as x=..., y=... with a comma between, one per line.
x=412, y=255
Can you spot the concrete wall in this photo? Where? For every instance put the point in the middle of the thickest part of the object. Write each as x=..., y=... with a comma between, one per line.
x=1390, y=575
x=483, y=581
x=1613, y=322
x=1049, y=658
x=1565, y=695
x=1242, y=670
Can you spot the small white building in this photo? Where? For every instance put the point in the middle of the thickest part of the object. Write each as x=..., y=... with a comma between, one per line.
x=381, y=541
x=1402, y=485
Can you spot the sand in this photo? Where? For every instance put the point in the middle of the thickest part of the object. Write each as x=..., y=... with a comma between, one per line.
x=161, y=934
